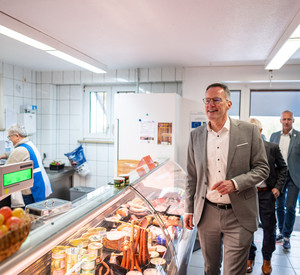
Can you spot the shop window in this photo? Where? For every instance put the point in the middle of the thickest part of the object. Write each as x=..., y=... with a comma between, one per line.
x=267, y=106
x=235, y=97
x=99, y=110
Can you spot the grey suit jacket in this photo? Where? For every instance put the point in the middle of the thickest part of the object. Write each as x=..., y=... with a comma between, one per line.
x=293, y=158
x=247, y=164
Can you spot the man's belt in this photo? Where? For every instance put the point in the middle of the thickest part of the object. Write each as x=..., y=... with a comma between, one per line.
x=262, y=189
x=219, y=205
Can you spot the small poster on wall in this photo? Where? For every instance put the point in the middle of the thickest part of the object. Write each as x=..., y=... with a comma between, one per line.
x=164, y=133
x=147, y=131
x=197, y=119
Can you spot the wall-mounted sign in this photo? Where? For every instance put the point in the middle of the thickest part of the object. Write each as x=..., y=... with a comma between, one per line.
x=164, y=133
x=197, y=119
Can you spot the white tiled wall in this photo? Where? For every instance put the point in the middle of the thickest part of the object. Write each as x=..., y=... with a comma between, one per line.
x=59, y=100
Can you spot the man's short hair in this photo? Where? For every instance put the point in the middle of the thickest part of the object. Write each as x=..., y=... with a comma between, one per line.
x=223, y=86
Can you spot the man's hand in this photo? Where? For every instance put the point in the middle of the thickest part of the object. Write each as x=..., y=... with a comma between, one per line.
x=276, y=193
x=188, y=221
x=224, y=187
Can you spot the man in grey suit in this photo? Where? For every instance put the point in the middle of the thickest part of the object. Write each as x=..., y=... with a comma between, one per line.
x=226, y=159
x=289, y=143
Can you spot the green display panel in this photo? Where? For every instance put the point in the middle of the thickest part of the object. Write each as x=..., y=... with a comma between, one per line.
x=17, y=176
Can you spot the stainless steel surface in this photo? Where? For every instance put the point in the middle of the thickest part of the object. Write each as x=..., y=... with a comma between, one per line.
x=61, y=182
x=49, y=207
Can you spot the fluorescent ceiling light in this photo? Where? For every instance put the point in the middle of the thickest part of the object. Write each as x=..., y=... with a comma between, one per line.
x=290, y=46
x=75, y=61
x=24, y=39
x=61, y=50
x=283, y=55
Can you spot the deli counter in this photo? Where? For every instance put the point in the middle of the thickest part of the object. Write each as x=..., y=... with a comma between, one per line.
x=138, y=227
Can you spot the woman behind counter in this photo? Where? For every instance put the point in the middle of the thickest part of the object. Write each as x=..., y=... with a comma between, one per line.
x=25, y=150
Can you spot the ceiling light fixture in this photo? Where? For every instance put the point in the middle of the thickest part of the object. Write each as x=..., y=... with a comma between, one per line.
x=287, y=45
x=32, y=37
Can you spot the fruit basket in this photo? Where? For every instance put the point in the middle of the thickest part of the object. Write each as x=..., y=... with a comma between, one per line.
x=13, y=239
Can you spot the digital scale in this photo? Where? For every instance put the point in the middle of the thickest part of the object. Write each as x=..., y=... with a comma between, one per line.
x=15, y=177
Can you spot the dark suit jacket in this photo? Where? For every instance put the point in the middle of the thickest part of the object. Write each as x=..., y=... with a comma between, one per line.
x=293, y=159
x=247, y=164
x=277, y=166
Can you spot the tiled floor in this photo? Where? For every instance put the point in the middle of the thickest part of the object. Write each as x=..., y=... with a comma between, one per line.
x=283, y=262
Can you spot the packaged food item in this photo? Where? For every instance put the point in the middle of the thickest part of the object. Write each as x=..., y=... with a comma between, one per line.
x=126, y=178
x=154, y=254
x=58, y=260
x=161, y=239
x=80, y=242
x=134, y=273
x=96, y=249
x=72, y=257
x=78, y=161
x=101, y=231
x=119, y=182
x=88, y=263
x=151, y=271
x=158, y=261
x=161, y=249
x=95, y=238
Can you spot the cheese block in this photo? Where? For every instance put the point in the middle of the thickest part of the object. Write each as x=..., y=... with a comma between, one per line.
x=114, y=240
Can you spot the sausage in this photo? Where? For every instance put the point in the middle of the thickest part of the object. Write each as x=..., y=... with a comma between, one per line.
x=137, y=264
x=132, y=258
x=106, y=266
x=137, y=239
x=147, y=251
x=123, y=263
x=127, y=259
x=141, y=247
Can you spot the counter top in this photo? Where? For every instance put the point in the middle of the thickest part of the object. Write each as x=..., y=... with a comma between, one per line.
x=58, y=174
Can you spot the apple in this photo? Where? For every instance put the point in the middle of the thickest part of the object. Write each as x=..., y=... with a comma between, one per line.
x=17, y=212
x=1, y=219
x=6, y=212
x=13, y=222
x=3, y=229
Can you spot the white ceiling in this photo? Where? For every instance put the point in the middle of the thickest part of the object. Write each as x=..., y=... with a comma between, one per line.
x=152, y=33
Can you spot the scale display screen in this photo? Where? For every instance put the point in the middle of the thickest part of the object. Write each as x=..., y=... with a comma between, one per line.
x=16, y=176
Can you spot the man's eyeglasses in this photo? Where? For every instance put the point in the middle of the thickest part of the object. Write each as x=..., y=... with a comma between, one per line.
x=9, y=136
x=215, y=100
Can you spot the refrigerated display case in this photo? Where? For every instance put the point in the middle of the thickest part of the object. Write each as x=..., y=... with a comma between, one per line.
x=152, y=206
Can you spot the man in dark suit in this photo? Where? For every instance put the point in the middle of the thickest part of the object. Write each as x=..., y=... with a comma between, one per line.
x=268, y=191
x=226, y=159
x=289, y=143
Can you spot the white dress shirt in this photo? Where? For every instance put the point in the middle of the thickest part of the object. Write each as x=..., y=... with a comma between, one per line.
x=284, y=144
x=217, y=155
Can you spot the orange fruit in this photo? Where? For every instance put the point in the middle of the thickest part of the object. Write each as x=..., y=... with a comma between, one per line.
x=18, y=212
x=1, y=219
x=6, y=212
x=3, y=229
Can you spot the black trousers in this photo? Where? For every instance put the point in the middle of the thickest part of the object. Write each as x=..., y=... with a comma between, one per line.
x=268, y=220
